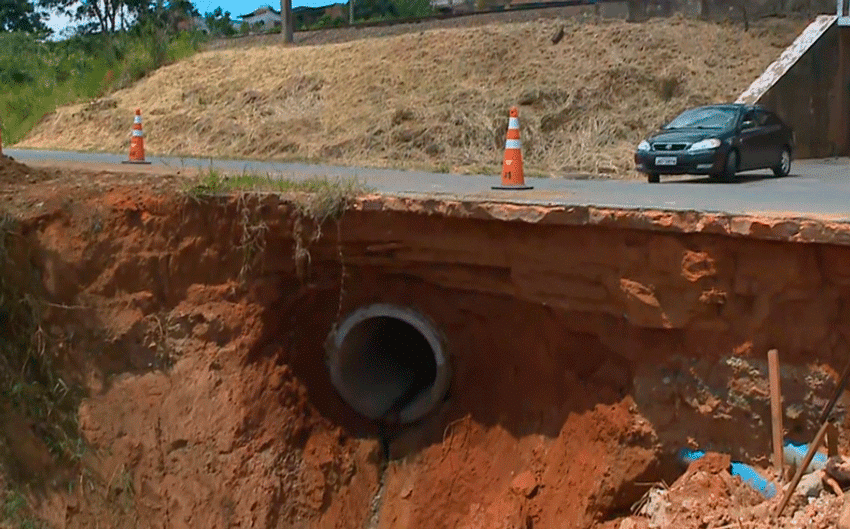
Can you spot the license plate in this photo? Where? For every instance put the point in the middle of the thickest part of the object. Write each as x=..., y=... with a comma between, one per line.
x=665, y=160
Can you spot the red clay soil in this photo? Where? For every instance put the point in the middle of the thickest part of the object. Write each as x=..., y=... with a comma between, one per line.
x=195, y=418
x=486, y=477
x=197, y=337
x=12, y=172
x=183, y=427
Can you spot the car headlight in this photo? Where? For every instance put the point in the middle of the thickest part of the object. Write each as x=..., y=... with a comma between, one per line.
x=705, y=145
x=643, y=146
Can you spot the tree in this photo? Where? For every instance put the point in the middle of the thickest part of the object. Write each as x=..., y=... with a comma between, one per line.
x=183, y=7
x=220, y=22
x=369, y=9
x=20, y=15
x=413, y=8
x=106, y=13
x=180, y=15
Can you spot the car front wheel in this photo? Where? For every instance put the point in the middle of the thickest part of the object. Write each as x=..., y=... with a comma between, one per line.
x=653, y=178
x=731, y=166
x=784, y=166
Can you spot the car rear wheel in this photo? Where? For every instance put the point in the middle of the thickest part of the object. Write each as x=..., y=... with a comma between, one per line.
x=653, y=178
x=784, y=166
x=731, y=166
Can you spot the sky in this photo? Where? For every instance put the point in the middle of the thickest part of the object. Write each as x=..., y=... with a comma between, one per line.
x=236, y=8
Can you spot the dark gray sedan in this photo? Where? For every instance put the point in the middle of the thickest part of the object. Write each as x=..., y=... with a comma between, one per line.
x=719, y=141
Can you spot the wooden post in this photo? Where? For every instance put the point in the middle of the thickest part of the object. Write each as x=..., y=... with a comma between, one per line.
x=839, y=389
x=802, y=468
x=775, y=410
x=843, y=93
x=831, y=441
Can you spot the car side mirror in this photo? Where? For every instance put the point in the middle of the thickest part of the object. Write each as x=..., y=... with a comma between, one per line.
x=748, y=124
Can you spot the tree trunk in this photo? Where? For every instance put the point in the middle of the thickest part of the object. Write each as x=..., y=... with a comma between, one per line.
x=287, y=30
x=113, y=11
x=101, y=20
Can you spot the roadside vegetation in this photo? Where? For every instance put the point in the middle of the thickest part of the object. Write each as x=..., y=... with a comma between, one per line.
x=38, y=75
x=213, y=182
x=113, y=44
x=315, y=201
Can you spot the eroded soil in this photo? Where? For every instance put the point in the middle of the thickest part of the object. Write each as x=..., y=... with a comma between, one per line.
x=194, y=327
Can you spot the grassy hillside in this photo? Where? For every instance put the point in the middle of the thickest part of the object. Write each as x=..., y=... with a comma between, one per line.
x=37, y=76
x=434, y=99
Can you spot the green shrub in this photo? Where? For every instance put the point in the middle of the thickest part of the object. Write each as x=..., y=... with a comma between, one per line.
x=413, y=8
x=38, y=75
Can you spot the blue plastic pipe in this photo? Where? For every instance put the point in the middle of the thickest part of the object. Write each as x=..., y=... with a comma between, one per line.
x=748, y=474
x=794, y=455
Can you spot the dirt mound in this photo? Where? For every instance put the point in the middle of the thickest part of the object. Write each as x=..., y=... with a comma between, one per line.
x=435, y=99
x=12, y=172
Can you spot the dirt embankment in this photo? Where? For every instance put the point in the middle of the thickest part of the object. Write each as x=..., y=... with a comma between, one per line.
x=583, y=358
x=435, y=99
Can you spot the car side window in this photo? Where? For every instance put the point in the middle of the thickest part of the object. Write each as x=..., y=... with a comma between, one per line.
x=761, y=118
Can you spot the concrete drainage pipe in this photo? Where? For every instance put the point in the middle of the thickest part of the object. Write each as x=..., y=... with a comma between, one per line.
x=388, y=362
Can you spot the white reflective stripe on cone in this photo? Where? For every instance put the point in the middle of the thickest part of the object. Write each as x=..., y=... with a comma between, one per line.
x=137, y=119
x=513, y=123
x=138, y=133
x=513, y=144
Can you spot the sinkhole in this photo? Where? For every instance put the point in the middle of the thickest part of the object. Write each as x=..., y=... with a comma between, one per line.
x=388, y=363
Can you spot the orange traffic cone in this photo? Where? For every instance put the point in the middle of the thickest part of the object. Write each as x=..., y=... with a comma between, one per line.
x=512, y=177
x=137, y=141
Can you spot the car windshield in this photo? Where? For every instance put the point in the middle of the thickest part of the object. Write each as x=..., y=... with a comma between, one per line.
x=703, y=118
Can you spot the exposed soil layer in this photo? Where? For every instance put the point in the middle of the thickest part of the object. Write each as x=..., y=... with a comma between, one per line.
x=12, y=172
x=436, y=99
x=583, y=357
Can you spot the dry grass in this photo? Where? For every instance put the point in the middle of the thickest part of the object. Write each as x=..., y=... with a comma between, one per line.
x=436, y=98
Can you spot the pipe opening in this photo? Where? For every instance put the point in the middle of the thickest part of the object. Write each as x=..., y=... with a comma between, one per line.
x=388, y=363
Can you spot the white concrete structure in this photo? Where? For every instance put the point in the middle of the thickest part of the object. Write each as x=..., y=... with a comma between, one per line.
x=265, y=17
x=787, y=59
x=360, y=359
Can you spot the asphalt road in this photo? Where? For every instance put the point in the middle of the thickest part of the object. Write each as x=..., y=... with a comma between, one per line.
x=815, y=188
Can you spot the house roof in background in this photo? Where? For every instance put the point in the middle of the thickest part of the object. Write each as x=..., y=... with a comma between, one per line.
x=260, y=10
